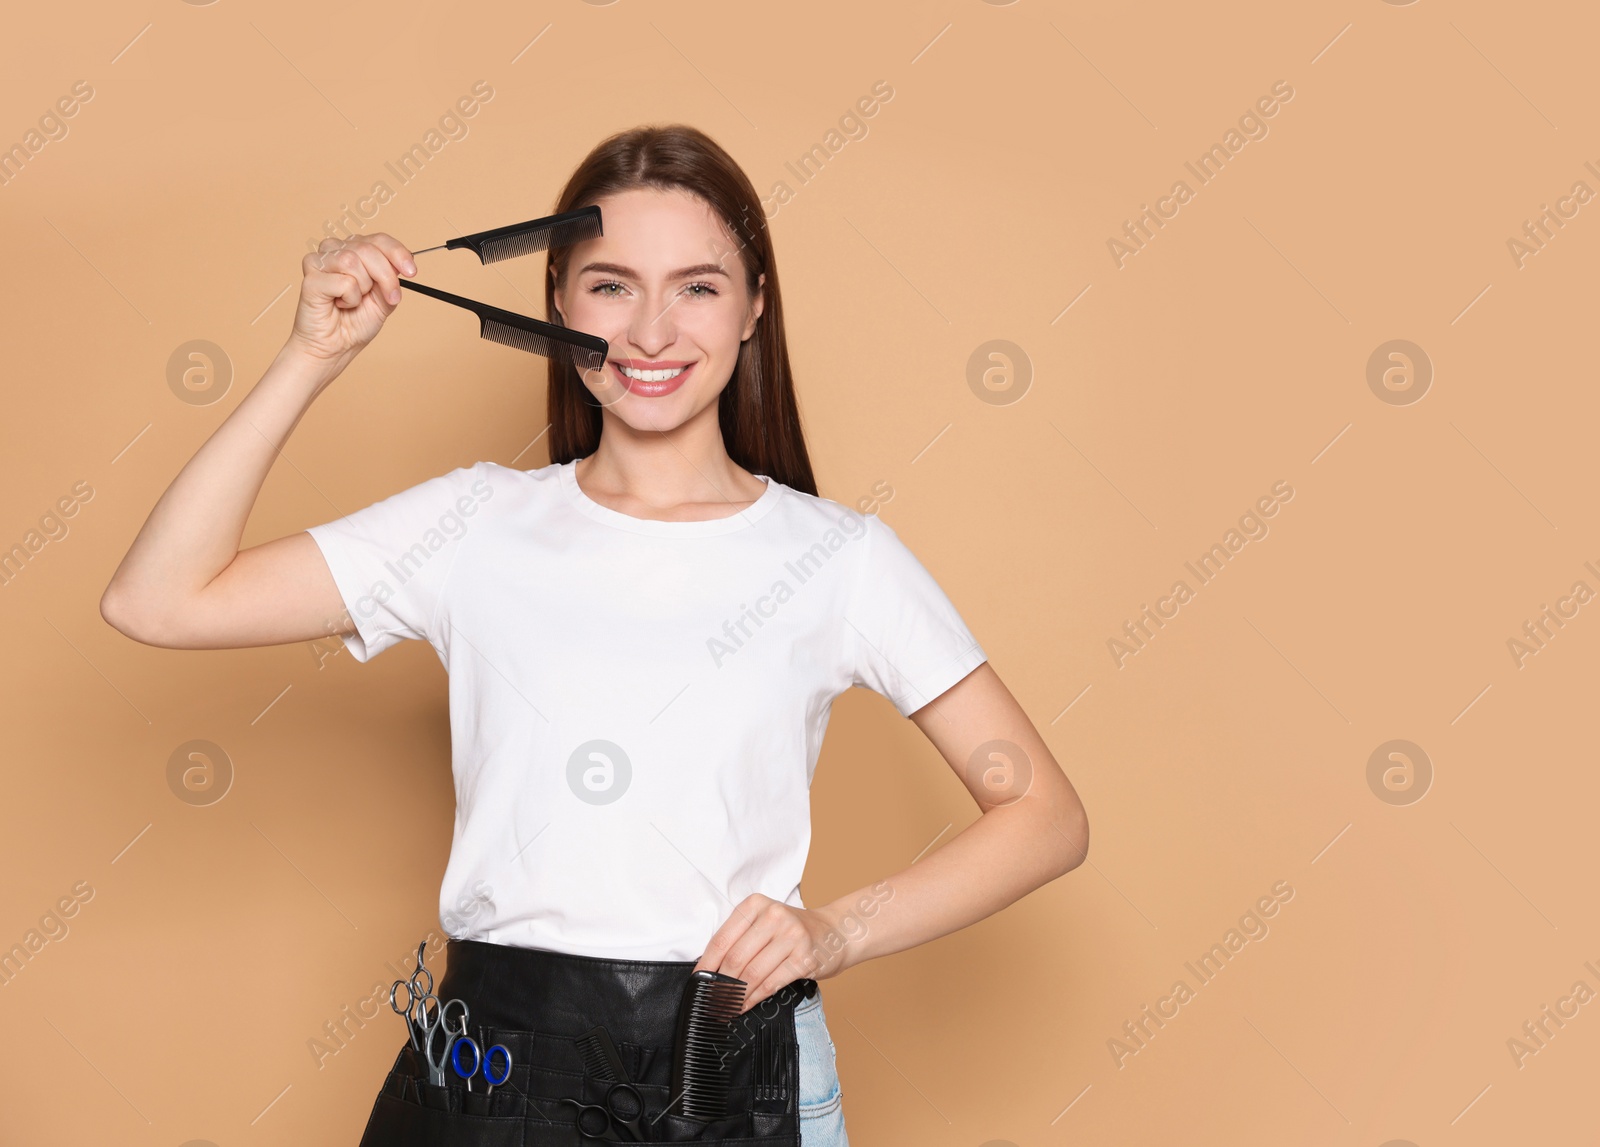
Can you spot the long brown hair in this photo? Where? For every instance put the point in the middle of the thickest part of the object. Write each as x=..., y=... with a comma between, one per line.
x=757, y=411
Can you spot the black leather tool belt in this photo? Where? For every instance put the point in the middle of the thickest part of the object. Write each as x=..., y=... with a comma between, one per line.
x=540, y=1004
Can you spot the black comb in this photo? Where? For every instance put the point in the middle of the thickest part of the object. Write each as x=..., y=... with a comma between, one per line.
x=700, y=1074
x=585, y=351
x=771, y=1069
x=600, y=1058
x=525, y=238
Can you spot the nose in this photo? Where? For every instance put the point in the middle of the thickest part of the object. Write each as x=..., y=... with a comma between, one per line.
x=652, y=327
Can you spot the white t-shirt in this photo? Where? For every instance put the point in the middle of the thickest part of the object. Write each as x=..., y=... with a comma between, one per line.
x=636, y=706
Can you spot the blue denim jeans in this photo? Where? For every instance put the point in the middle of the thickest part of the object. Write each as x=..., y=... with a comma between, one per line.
x=821, y=1113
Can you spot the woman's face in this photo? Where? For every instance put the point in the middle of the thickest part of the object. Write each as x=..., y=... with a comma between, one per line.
x=665, y=287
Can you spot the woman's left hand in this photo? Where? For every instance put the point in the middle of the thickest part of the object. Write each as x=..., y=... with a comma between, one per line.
x=769, y=944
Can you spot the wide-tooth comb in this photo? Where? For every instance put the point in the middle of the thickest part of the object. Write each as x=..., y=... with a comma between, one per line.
x=585, y=351
x=700, y=1072
x=525, y=238
x=600, y=1058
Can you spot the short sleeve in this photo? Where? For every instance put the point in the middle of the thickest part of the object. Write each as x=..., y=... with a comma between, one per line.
x=392, y=559
x=910, y=642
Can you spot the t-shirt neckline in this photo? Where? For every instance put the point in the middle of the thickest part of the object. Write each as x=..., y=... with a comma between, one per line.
x=740, y=520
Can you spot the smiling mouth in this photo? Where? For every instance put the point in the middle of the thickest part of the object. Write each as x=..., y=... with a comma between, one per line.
x=651, y=375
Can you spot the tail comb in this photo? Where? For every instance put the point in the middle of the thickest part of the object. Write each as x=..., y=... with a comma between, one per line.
x=771, y=1069
x=585, y=351
x=525, y=238
x=700, y=1072
x=600, y=1058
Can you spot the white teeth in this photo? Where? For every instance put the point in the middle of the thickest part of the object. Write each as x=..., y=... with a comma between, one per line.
x=650, y=375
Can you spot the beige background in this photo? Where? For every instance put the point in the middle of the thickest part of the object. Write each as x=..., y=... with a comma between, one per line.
x=1165, y=398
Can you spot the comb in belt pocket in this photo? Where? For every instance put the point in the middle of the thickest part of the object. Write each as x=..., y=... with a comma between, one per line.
x=701, y=1077
x=600, y=1058
x=771, y=1073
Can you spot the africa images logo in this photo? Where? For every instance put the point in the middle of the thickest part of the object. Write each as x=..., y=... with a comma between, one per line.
x=737, y=631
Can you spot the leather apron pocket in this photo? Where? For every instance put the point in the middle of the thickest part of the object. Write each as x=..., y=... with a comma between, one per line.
x=539, y=1005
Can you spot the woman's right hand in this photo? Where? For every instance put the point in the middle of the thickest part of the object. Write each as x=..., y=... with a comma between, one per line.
x=350, y=287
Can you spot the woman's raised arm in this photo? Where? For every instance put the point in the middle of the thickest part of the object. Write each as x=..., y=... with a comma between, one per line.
x=184, y=583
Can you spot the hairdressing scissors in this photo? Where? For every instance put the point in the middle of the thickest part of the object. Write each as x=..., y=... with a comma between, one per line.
x=483, y=1062
x=623, y=1108
x=415, y=992
x=434, y=1024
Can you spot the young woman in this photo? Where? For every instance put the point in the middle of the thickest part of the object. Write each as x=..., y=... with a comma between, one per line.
x=644, y=639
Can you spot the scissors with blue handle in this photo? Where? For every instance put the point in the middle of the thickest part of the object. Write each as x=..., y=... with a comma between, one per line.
x=623, y=1108
x=483, y=1062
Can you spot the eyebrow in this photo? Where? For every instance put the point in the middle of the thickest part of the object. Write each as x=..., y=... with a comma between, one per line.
x=630, y=273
